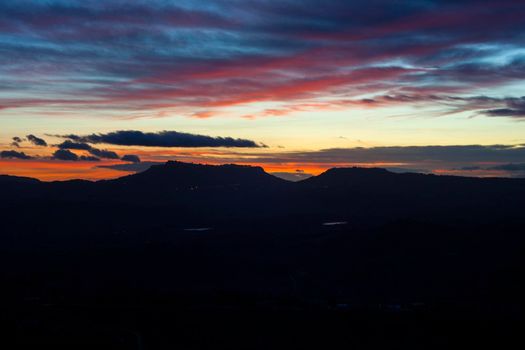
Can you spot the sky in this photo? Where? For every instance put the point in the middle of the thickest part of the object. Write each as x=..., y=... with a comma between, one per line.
x=98, y=89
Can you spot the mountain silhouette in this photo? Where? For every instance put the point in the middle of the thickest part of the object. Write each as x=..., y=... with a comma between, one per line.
x=229, y=237
x=250, y=192
x=7, y=179
x=188, y=175
x=344, y=177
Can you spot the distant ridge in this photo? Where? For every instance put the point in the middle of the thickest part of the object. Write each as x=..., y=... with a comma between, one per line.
x=189, y=174
x=180, y=174
x=17, y=179
x=338, y=176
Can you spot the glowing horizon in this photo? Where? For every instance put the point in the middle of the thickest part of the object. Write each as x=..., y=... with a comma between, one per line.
x=287, y=85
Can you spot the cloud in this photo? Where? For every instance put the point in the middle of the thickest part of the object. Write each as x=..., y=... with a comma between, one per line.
x=14, y=154
x=68, y=144
x=437, y=155
x=161, y=139
x=470, y=168
x=36, y=140
x=509, y=167
x=74, y=145
x=89, y=159
x=102, y=153
x=515, y=108
x=64, y=154
x=505, y=112
x=17, y=139
x=131, y=158
x=223, y=53
x=500, y=106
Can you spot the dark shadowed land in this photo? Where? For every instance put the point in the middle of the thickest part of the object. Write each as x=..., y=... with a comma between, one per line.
x=186, y=256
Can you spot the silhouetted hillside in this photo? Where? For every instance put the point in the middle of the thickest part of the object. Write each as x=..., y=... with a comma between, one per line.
x=350, y=242
x=346, y=177
x=181, y=175
x=8, y=179
x=194, y=192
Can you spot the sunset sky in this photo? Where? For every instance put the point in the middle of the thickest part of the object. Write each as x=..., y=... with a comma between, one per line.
x=94, y=89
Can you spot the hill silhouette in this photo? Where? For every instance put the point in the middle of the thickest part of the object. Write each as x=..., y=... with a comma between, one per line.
x=359, y=241
x=181, y=175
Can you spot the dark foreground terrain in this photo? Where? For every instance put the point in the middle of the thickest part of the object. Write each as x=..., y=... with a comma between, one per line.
x=187, y=256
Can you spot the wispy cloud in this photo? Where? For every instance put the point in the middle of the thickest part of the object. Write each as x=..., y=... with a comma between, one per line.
x=153, y=56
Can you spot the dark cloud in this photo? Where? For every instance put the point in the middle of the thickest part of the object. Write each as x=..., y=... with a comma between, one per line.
x=89, y=159
x=161, y=139
x=15, y=144
x=470, y=168
x=509, y=167
x=505, y=112
x=68, y=144
x=64, y=154
x=131, y=158
x=103, y=153
x=14, y=154
x=515, y=107
x=60, y=154
x=437, y=155
x=17, y=139
x=36, y=140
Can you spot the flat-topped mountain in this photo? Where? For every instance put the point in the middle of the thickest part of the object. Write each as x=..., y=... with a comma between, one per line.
x=179, y=174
